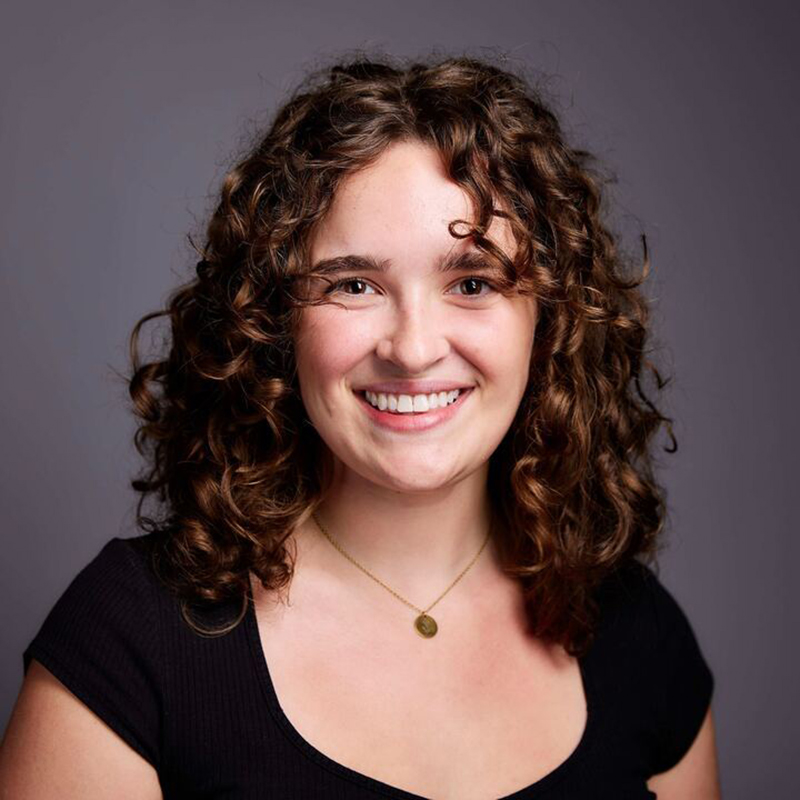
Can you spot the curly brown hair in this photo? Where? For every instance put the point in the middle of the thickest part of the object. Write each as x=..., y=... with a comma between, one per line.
x=231, y=455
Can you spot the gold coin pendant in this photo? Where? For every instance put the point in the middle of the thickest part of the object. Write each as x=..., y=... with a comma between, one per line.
x=426, y=626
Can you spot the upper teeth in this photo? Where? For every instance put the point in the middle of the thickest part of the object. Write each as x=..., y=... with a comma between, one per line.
x=406, y=403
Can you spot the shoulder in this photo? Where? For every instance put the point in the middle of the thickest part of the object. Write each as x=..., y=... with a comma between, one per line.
x=115, y=585
x=647, y=647
x=102, y=640
x=113, y=598
x=635, y=601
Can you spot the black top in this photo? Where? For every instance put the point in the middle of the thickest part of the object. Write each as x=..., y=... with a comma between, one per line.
x=204, y=711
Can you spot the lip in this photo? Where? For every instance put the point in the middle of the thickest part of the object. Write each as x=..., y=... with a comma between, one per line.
x=412, y=387
x=412, y=422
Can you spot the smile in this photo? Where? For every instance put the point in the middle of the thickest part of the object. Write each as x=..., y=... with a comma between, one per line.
x=411, y=404
x=403, y=412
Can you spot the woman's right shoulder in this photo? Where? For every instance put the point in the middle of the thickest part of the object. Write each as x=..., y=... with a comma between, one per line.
x=89, y=716
x=102, y=638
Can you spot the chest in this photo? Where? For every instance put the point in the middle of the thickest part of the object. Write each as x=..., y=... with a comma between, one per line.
x=479, y=711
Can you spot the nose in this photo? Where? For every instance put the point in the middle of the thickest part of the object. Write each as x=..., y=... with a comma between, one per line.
x=415, y=340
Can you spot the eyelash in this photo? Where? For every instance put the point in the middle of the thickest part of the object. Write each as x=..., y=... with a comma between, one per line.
x=335, y=286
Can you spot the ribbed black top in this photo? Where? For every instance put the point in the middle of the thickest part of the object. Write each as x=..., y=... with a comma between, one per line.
x=204, y=711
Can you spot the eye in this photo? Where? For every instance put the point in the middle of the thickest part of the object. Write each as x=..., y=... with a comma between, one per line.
x=358, y=282
x=474, y=285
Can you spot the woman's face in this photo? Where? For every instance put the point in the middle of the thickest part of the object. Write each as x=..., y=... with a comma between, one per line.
x=410, y=329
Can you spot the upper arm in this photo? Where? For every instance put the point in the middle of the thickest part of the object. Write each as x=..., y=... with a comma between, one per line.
x=56, y=747
x=696, y=775
x=680, y=687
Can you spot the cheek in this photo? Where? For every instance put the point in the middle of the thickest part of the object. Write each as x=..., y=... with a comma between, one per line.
x=329, y=345
x=500, y=347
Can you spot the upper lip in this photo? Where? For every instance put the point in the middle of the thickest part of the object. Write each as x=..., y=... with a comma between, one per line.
x=413, y=387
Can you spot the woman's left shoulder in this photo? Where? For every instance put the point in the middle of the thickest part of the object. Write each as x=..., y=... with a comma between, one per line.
x=634, y=601
x=647, y=643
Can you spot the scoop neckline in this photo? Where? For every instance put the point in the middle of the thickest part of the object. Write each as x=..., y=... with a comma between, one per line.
x=375, y=784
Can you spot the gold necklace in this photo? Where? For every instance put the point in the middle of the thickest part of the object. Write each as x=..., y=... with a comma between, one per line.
x=424, y=624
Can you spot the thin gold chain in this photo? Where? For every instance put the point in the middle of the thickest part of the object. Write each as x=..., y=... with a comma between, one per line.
x=388, y=588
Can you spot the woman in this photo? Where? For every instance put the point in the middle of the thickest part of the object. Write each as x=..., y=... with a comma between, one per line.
x=402, y=445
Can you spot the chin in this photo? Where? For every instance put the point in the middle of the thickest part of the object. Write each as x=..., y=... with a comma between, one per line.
x=424, y=481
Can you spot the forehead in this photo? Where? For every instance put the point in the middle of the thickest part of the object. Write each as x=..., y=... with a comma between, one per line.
x=403, y=202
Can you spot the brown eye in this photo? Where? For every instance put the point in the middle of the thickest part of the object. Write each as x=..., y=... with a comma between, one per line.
x=473, y=287
x=357, y=283
x=351, y=282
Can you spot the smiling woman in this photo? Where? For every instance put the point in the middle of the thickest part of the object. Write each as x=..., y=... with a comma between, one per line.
x=409, y=373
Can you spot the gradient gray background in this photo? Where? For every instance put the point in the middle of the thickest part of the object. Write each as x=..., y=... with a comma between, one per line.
x=117, y=122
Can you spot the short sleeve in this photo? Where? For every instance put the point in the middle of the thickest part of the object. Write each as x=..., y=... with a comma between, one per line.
x=101, y=640
x=683, y=683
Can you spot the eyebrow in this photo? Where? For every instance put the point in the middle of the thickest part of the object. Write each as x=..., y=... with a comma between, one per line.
x=473, y=260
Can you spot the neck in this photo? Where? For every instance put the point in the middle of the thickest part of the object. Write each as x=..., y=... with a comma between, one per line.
x=416, y=543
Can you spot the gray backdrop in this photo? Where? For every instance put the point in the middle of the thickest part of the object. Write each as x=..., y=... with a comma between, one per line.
x=117, y=122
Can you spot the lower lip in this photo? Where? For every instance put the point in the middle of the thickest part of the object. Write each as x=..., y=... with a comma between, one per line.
x=413, y=421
